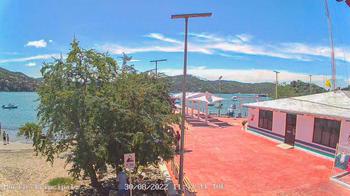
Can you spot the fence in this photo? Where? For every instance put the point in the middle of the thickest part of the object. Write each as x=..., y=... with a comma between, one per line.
x=189, y=188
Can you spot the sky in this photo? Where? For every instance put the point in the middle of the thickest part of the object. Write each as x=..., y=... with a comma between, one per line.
x=242, y=41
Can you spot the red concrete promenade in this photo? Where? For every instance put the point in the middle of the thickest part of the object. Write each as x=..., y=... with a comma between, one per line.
x=229, y=161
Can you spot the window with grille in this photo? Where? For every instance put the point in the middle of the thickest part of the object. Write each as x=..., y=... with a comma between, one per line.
x=326, y=132
x=265, y=119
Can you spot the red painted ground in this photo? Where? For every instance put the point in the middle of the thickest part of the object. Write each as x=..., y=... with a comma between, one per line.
x=246, y=164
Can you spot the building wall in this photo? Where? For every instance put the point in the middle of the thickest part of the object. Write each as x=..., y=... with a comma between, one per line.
x=305, y=127
x=279, y=123
x=253, y=117
x=344, y=133
x=304, y=130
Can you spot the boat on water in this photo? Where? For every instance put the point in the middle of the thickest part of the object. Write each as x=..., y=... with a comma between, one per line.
x=233, y=106
x=261, y=95
x=234, y=98
x=9, y=106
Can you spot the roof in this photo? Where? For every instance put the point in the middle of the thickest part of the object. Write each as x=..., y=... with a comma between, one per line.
x=199, y=96
x=333, y=104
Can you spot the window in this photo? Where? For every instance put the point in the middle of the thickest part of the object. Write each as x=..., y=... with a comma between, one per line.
x=265, y=119
x=326, y=132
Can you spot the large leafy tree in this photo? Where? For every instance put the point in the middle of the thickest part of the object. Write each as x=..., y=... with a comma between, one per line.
x=96, y=112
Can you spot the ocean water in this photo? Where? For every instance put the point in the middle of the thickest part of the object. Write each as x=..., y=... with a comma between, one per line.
x=228, y=102
x=12, y=119
x=27, y=103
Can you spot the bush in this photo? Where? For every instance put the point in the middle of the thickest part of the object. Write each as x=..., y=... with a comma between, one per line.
x=61, y=181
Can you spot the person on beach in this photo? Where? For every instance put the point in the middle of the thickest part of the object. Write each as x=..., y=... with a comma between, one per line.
x=4, y=137
x=7, y=138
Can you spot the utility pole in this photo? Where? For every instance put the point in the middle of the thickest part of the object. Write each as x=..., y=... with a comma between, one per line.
x=182, y=144
x=334, y=71
x=310, y=88
x=276, y=93
x=220, y=90
x=156, y=62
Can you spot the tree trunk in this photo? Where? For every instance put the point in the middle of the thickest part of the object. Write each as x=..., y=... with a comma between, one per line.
x=94, y=181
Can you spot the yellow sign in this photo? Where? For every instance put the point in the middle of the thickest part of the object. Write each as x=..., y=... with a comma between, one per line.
x=328, y=83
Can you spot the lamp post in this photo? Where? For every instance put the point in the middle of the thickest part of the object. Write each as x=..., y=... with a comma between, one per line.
x=276, y=95
x=182, y=144
x=310, y=88
x=156, y=62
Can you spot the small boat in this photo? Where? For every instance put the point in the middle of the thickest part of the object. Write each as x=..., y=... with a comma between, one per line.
x=234, y=98
x=210, y=104
x=9, y=106
x=230, y=112
x=233, y=106
x=261, y=95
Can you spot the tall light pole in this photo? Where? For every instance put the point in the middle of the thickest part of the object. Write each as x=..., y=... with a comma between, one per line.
x=310, y=88
x=156, y=62
x=182, y=144
x=334, y=71
x=276, y=95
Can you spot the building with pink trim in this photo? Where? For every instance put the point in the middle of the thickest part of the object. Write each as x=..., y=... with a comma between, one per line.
x=316, y=122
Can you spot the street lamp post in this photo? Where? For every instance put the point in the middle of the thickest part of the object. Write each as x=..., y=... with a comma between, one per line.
x=156, y=62
x=182, y=144
x=310, y=88
x=276, y=84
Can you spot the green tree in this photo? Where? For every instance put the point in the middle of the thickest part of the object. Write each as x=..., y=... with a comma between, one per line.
x=96, y=112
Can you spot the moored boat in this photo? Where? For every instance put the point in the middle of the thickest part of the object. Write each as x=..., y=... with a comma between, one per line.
x=9, y=106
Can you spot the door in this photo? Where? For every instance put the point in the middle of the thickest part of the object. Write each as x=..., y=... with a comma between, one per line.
x=291, y=124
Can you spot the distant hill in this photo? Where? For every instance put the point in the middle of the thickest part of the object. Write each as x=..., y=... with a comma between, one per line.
x=294, y=88
x=16, y=81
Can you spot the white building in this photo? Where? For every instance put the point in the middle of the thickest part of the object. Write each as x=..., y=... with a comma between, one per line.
x=316, y=122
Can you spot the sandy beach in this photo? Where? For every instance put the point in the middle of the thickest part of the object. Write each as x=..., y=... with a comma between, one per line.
x=23, y=173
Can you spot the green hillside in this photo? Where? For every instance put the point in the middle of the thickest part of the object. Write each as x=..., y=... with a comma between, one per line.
x=16, y=81
x=294, y=88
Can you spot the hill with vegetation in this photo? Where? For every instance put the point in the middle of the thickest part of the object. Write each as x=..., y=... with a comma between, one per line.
x=294, y=88
x=16, y=81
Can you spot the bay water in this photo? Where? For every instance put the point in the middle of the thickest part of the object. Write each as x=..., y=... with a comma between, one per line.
x=27, y=102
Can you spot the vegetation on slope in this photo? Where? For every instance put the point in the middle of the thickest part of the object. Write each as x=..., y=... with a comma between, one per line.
x=294, y=88
x=16, y=81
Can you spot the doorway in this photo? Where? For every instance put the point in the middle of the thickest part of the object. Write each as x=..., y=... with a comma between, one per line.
x=291, y=124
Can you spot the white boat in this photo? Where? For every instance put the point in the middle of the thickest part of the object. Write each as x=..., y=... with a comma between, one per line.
x=9, y=106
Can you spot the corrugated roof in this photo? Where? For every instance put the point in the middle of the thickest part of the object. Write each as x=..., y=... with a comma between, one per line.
x=333, y=104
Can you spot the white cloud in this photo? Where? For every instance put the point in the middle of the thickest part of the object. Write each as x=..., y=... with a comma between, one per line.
x=231, y=45
x=244, y=37
x=119, y=49
x=37, y=44
x=161, y=37
x=31, y=58
x=31, y=64
x=245, y=75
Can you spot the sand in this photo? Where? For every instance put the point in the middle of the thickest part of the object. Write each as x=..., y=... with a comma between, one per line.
x=23, y=173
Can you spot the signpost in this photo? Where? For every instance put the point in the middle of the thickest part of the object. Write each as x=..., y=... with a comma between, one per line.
x=129, y=161
x=129, y=164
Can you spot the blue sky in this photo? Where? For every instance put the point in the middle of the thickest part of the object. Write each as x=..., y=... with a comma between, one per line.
x=243, y=40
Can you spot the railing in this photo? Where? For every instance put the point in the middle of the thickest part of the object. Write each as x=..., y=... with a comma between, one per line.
x=189, y=188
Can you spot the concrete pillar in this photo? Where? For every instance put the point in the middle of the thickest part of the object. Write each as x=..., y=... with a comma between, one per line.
x=206, y=112
x=192, y=108
x=198, y=108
